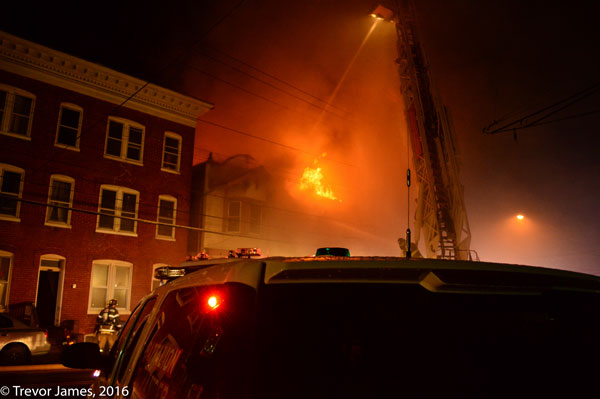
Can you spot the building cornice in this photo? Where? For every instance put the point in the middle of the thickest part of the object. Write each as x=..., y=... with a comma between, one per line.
x=35, y=61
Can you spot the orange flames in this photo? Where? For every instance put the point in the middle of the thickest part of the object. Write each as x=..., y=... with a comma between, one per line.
x=312, y=180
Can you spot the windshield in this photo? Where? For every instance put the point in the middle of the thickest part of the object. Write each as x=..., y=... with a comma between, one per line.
x=361, y=340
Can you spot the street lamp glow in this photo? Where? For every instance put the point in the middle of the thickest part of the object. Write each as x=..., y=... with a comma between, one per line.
x=520, y=217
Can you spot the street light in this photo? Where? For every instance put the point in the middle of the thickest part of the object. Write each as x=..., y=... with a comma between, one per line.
x=520, y=217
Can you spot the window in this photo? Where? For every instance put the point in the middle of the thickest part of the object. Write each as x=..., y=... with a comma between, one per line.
x=60, y=199
x=166, y=214
x=69, y=126
x=255, y=218
x=234, y=212
x=5, y=269
x=171, y=152
x=193, y=352
x=124, y=140
x=16, y=111
x=11, y=187
x=111, y=279
x=129, y=337
x=117, y=203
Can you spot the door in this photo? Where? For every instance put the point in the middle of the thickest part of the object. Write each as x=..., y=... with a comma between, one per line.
x=49, y=291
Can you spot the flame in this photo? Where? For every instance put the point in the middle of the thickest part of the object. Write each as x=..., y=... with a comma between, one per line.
x=311, y=180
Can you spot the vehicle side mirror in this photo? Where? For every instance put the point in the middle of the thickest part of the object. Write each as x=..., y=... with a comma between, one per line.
x=82, y=355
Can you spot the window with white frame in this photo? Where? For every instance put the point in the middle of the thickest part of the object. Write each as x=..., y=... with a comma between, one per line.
x=11, y=188
x=16, y=111
x=167, y=207
x=69, y=126
x=118, y=209
x=234, y=215
x=6, y=259
x=60, y=199
x=111, y=279
x=124, y=140
x=171, y=152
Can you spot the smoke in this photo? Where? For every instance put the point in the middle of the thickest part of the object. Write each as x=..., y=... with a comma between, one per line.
x=348, y=107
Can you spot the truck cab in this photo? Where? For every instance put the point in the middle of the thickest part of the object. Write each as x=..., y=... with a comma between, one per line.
x=339, y=326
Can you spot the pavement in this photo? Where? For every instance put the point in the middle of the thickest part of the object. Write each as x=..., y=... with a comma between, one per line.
x=43, y=376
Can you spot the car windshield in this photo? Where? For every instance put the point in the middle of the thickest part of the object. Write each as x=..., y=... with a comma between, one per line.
x=390, y=340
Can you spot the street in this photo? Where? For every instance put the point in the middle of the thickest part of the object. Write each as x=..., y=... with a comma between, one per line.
x=44, y=380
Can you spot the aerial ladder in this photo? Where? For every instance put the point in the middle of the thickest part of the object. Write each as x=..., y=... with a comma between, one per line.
x=440, y=215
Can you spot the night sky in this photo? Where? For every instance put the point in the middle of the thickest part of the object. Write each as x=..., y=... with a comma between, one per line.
x=270, y=67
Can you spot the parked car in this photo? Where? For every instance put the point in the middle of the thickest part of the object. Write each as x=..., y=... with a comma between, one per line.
x=356, y=327
x=19, y=342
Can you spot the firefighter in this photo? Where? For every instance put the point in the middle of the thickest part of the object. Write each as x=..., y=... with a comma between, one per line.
x=108, y=325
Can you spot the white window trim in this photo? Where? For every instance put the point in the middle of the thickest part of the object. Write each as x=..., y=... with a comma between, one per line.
x=8, y=278
x=53, y=223
x=120, y=191
x=10, y=101
x=171, y=199
x=72, y=107
x=239, y=218
x=162, y=161
x=110, y=284
x=125, y=140
x=5, y=167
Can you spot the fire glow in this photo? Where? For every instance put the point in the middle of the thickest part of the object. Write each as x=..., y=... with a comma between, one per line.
x=312, y=180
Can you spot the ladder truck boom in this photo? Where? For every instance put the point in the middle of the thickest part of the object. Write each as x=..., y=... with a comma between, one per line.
x=440, y=216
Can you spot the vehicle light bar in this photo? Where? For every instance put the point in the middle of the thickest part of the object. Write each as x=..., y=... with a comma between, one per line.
x=168, y=273
x=245, y=252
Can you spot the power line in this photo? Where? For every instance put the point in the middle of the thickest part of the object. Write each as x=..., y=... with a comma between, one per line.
x=289, y=147
x=173, y=61
x=93, y=201
x=204, y=54
x=273, y=77
x=290, y=177
x=238, y=87
x=541, y=114
x=135, y=219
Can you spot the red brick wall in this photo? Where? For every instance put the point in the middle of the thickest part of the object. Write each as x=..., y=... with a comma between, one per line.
x=80, y=244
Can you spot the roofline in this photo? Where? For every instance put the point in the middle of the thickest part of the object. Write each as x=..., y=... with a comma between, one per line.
x=435, y=275
x=32, y=60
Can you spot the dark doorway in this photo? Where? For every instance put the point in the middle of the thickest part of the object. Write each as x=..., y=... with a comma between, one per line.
x=47, y=295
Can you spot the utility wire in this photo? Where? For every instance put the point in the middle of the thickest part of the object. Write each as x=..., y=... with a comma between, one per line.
x=151, y=222
x=94, y=200
x=270, y=141
x=271, y=76
x=204, y=54
x=289, y=177
x=215, y=77
x=146, y=221
x=105, y=117
x=173, y=61
x=545, y=112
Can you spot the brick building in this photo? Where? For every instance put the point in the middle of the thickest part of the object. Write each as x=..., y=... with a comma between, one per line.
x=90, y=161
